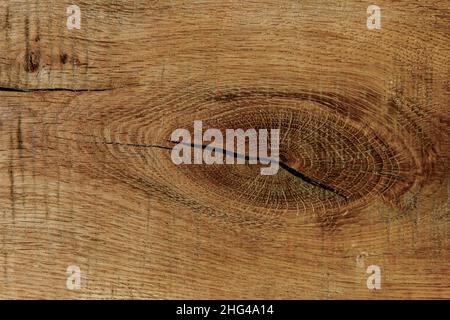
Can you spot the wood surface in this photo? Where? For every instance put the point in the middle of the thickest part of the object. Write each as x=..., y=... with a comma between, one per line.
x=86, y=177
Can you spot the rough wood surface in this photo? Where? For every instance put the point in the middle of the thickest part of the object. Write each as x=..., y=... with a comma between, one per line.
x=86, y=177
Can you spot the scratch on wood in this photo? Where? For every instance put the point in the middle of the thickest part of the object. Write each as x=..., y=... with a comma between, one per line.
x=11, y=178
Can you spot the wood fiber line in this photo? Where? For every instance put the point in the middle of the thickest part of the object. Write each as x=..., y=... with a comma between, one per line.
x=86, y=176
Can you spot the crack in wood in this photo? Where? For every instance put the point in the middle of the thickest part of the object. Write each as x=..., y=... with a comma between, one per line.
x=282, y=164
x=8, y=89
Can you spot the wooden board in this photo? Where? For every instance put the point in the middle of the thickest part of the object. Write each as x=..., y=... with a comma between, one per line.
x=86, y=177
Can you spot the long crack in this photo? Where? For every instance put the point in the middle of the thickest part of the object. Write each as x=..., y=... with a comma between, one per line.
x=282, y=165
x=21, y=90
x=236, y=155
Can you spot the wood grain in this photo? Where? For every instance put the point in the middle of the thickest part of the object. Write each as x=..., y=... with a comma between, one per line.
x=86, y=176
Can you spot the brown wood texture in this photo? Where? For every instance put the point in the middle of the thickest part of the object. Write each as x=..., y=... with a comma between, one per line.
x=86, y=177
